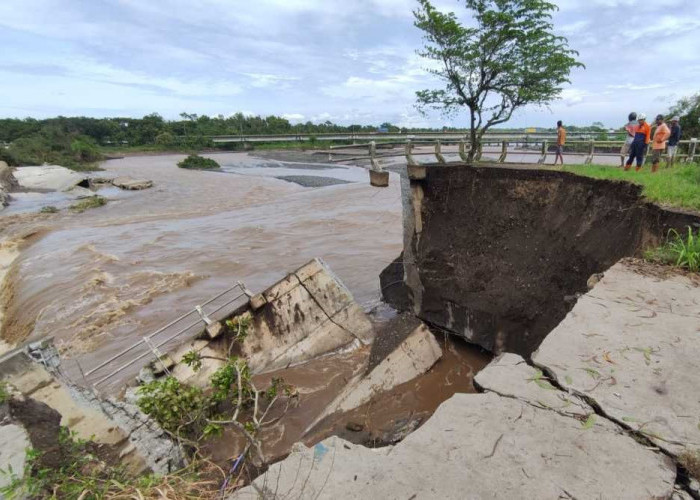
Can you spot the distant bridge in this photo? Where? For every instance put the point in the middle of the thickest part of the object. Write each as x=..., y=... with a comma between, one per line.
x=388, y=136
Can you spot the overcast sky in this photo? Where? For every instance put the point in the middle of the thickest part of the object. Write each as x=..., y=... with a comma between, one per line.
x=348, y=61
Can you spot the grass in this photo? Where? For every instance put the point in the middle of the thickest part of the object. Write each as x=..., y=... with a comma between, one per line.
x=84, y=474
x=4, y=394
x=690, y=460
x=678, y=186
x=679, y=250
x=87, y=203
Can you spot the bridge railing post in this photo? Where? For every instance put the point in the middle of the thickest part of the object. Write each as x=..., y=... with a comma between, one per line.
x=410, y=160
x=373, y=156
x=504, y=152
x=463, y=151
x=438, y=152
x=543, y=152
x=591, y=151
x=691, y=150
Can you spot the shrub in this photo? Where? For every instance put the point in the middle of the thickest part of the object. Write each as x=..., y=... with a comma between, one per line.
x=179, y=409
x=198, y=163
x=50, y=209
x=165, y=139
x=85, y=149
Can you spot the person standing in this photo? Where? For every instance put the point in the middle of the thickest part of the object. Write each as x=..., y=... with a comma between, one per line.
x=638, y=148
x=630, y=129
x=561, y=140
x=673, y=140
x=661, y=135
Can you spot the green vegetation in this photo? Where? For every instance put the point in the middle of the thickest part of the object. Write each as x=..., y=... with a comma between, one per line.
x=197, y=162
x=4, y=394
x=85, y=472
x=87, y=203
x=678, y=186
x=192, y=415
x=49, y=209
x=506, y=58
x=678, y=250
x=688, y=109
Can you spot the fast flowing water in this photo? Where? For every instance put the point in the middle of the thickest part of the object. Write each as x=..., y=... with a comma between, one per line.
x=100, y=280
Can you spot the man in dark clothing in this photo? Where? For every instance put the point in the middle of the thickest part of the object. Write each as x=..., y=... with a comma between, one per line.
x=638, y=148
x=674, y=138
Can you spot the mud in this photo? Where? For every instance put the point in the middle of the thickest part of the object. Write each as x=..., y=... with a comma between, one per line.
x=42, y=424
x=392, y=415
x=386, y=419
x=504, y=251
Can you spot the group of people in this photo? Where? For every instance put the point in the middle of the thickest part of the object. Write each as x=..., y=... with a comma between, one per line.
x=639, y=135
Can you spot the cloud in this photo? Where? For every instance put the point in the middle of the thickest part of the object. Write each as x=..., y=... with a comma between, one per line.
x=294, y=117
x=352, y=62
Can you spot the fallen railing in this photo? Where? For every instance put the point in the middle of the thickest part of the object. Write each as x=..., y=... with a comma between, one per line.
x=152, y=343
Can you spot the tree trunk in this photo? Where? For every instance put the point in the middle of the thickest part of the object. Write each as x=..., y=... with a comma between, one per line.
x=473, y=140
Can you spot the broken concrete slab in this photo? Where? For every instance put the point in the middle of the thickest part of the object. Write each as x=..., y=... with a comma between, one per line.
x=129, y=183
x=478, y=446
x=14, y=442
x=48, y=178
x=509, y=375
x=211, y=361
x=307, y=314
x=632, y=347
x=413, y=357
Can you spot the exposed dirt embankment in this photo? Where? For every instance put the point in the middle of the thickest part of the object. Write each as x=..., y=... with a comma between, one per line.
x=497, y=255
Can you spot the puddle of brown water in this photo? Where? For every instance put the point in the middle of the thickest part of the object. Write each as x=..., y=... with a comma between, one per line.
x=320, y=381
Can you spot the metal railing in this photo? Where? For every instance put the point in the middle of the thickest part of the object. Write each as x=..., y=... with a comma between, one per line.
x=152, y=343
x=540, y=148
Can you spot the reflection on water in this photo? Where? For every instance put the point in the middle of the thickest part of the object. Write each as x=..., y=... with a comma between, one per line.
x=100, y=280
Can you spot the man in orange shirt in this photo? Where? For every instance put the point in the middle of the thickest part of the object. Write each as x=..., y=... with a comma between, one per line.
x=561, y=140
x=661, y=135
x=638, y=148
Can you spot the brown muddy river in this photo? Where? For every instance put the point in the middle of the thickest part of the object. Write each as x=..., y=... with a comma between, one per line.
x=100, y=280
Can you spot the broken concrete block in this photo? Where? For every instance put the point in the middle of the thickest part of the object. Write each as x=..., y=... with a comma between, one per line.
x=379, y=179
x=416, y=172
x=280, y=288
x=413, y=357
x=214, y=330
x=304, y=320
x=211, y=360
x=631, y=345
x=48, y=177
x=130, y=183
x=308, y=270
x=478, y=446
x=257, y=301
x=509, y=375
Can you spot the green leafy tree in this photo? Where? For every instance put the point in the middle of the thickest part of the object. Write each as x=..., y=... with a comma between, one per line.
x=509, y=57
x=688, y=109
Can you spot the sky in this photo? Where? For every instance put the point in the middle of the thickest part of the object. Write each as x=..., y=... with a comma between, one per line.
x=347, y=61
